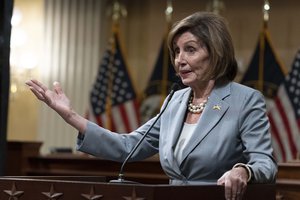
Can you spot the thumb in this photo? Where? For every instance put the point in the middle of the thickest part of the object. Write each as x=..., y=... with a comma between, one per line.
x=57, y=87
x=221, y=181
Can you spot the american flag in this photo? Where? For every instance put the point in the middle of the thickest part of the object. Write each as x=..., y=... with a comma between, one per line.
x=284, y=115
x=281, y=91
x=113, y=98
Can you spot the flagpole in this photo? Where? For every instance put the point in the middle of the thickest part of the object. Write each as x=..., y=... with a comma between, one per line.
x=117, y=12
x=261, y=61
x=108, y=102
x=266, y=9
x=168, y=13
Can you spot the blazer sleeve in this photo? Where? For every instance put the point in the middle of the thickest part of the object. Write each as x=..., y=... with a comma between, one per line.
x=256, y=138
x=109, y=145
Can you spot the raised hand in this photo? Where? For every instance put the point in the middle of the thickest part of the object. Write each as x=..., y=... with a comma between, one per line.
x=55, y=99
x=58, y=101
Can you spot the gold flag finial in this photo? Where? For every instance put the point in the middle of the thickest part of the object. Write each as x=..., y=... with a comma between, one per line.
x=165, y=64
x=215, y=6
x=116, y=11
x=266, y=9
x=169, y=11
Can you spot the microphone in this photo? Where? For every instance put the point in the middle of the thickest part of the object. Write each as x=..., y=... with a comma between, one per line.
x=121, y=179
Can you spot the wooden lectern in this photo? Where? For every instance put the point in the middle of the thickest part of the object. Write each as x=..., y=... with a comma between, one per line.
x=94, y=188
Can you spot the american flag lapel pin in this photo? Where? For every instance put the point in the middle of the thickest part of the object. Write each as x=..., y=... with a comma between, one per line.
x=217, y=107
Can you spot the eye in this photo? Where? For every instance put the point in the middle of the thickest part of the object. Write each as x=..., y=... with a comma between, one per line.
x=190, y=49
x=176, y=51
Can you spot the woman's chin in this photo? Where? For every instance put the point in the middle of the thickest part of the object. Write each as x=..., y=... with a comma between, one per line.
x=186, y=82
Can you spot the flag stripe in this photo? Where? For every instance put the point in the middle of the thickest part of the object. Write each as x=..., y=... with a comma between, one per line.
x=278, y=154
x=291, y=118
x=278, y=126
x=125, y=116
x=117, y=117
x=277, y=138
x=113, y=125
x=132, y=116
x=286, y=125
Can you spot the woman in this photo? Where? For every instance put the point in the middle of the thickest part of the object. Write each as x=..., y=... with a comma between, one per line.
x=213, y=131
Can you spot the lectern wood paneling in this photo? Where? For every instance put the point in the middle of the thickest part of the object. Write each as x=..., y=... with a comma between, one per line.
x=26, y=188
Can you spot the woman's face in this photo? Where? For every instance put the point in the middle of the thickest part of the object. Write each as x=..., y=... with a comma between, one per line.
x=191, y=59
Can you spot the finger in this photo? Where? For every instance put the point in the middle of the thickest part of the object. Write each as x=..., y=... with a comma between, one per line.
x=238, y=194
x=29, y=83
x=228, y=190
x=221, y=181
x=34, y=85
x=234, y=188
x=241, y=186
x=239, y=189
x=39, y=84
x=57, y=88
x=242, y=191
x=37, y=94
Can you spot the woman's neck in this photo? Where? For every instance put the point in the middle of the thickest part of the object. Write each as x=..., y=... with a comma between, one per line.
x=201, y=92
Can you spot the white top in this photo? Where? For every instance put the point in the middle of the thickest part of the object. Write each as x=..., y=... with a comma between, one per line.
x=185, y=136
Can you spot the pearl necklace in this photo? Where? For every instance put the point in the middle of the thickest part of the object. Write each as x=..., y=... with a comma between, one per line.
x=196, y=109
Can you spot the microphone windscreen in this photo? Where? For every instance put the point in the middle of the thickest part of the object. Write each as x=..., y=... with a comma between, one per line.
x=175, y=87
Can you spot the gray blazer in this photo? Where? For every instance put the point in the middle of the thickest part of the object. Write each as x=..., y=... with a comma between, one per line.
x=233, y=128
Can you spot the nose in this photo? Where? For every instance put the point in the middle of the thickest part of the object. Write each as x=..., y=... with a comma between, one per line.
x=180, y=59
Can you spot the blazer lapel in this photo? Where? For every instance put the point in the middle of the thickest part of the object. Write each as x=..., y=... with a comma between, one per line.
x=177, y=118
x=175, y=122
x=211, y=115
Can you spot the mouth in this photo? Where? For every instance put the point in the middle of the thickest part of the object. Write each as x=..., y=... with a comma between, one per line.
x=184, y=72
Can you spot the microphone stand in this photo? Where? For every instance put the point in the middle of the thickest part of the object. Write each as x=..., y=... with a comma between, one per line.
x=121, y=173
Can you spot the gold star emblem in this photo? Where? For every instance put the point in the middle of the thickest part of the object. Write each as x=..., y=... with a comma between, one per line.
x=133, y=196
x=13, y=193
x=92, y=195
x=217, y=107
x=52, y=195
